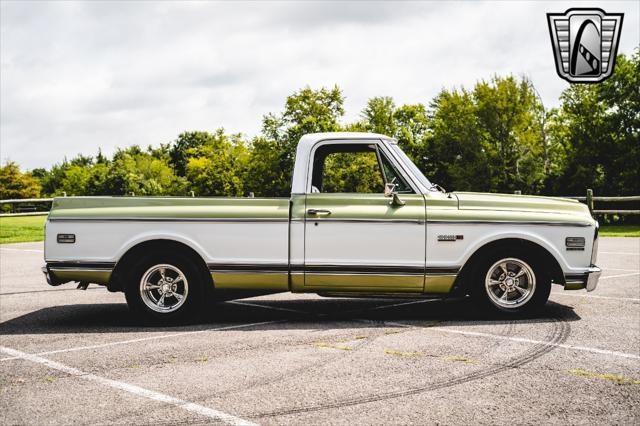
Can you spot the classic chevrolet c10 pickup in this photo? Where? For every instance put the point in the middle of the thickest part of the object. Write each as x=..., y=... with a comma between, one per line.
x=406, y=238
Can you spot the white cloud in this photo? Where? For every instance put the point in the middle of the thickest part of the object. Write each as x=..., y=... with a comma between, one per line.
x=78, y=76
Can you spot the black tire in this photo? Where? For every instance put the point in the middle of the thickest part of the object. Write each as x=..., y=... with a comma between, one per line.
x=490, y=269
x=193, y=281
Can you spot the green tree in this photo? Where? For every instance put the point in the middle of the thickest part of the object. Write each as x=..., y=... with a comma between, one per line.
x=379, y=116
x=352, y=172
x=15, y=184
x=185, y=147
x=412, y=131
x=456, y=156
x=600, y=126
x=266, y=174
x=75, y=180
x=505, y=109
x=306, y=111
x=217, y=167
x=136, y=171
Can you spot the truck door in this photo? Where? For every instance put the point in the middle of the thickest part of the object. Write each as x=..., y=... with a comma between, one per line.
x=356, y=238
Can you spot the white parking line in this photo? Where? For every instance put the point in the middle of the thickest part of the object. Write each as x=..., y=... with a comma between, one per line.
x=499, y=337
x=273, y=308
x=619, y=276
x=401, y=304
x=297, y=311
x=13, y=293
x=143, y=339
x=593, y=296
x=12, y=249
x=132, y=389
x=620, y=269
x=618, y=252
x=522, y=340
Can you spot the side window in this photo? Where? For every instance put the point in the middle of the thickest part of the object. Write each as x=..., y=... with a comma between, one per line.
x=353, y=168
x=391, y=175
x=357, y=172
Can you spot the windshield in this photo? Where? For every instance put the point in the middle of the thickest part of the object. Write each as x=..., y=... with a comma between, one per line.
x=412, y=167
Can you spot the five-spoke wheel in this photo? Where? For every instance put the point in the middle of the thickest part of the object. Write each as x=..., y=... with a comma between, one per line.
x=510, y=280
x=510, y=283
x=164, y=287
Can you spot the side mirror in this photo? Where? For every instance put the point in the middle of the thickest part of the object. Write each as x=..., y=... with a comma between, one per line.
x=390, y=191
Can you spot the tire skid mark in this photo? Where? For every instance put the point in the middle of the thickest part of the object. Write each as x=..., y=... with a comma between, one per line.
x=508, y=329
x=301, y=371
x=558, y=333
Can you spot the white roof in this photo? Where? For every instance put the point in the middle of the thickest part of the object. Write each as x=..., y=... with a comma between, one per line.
x=310, y=139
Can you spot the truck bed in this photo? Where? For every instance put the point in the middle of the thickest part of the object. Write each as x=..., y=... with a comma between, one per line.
x=226, y=232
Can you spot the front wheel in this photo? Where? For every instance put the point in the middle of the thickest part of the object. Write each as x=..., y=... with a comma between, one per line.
x=511, y=283
x=164, y=289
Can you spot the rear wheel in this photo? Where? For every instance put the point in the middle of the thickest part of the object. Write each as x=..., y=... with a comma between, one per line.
x=511, y=282
x=165, y=289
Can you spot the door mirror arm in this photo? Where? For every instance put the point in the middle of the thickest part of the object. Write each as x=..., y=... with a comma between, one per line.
x=390, y=191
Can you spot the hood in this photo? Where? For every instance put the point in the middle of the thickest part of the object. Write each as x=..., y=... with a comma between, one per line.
x=520, y=203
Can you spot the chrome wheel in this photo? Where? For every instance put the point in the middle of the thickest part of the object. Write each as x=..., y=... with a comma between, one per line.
x=164, y=288
x=510, y=283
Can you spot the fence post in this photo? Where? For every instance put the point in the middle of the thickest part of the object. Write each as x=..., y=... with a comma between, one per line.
x=590, y=199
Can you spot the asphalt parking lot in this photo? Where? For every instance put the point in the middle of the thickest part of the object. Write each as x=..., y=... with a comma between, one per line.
x=73, y=356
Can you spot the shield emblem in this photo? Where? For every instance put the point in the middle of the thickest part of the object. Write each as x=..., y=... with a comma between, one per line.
x=585, y=43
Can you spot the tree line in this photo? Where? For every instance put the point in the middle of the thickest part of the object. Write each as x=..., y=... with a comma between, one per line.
x=497, y=136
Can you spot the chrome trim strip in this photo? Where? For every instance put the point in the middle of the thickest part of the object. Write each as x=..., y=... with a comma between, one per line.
x=85, y=266
x=365, y=269
x=57, y=269
x=167, y=219
x=413, y=221
x=377, y=274
x=281, y=268
x=244, y=267
x=509, y=222
x=247, y=271
x=442, y=271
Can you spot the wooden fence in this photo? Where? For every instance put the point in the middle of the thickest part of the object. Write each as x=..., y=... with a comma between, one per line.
x=590, y=200
x=41, y=206
x=26, y=207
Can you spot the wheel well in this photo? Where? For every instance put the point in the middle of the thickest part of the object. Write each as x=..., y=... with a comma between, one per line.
x=463, y=280
x=116, y=283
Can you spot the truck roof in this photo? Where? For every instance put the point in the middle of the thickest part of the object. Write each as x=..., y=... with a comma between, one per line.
x=308, y=140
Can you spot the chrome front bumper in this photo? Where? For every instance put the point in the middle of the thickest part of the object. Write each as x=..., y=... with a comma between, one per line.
x=587, y=280
x=592, y=277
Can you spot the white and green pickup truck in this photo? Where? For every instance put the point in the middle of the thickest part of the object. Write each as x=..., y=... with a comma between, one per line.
x=395, y=235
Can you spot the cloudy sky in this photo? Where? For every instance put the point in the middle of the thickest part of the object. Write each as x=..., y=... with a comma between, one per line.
x=76, y=76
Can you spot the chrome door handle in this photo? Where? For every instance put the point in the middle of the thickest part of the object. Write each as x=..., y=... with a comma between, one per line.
x=318, y=211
